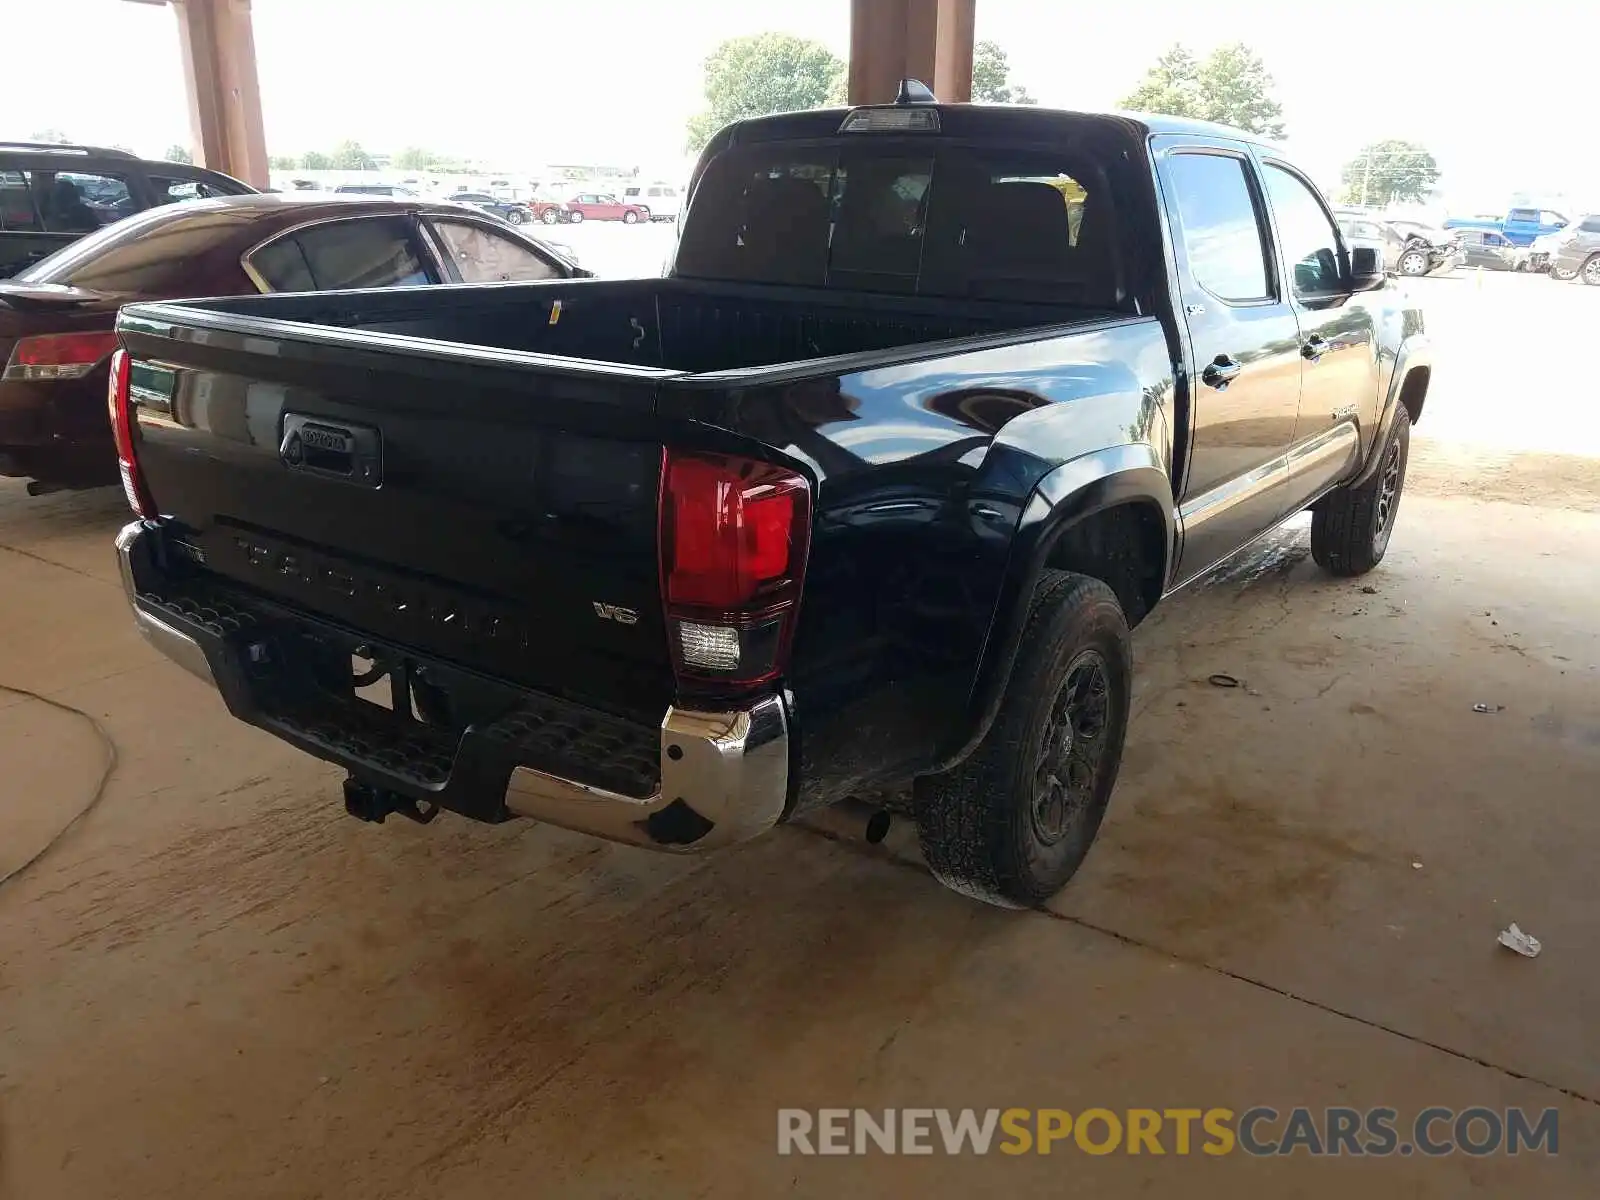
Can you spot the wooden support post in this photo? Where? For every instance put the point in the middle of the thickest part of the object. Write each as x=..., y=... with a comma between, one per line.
x=891, y=40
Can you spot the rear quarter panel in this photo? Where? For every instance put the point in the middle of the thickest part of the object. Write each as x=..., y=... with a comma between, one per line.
x=923, y=470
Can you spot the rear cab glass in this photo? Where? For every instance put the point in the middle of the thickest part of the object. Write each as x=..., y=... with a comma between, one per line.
x=907, y=216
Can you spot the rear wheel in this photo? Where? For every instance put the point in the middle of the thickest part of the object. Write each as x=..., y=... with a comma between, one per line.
x=1012, y=823
x=1591, y=271
x=1350, y=528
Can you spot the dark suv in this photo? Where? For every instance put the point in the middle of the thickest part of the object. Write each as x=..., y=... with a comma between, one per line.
x=1576, y=251
x=51, y=195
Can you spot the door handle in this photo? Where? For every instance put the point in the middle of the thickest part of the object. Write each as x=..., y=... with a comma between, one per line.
x=1220, y=373
x=1316, y=346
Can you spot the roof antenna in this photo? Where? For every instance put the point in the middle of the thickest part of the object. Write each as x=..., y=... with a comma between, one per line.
x=914, y=91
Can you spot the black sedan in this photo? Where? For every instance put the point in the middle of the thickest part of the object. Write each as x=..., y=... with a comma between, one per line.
x=56, y=318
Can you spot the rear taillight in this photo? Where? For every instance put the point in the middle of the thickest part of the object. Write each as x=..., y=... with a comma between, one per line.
x=120, y=404
x=58, y=355
x=734, y=534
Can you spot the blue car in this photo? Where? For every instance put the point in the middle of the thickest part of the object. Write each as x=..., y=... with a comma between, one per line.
x=1520, y=226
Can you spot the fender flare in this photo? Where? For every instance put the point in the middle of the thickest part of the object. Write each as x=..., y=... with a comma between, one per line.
x=1415, y=352
x=1066, y=496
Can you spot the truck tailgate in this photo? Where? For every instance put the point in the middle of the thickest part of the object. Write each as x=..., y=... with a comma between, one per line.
x=519, y=492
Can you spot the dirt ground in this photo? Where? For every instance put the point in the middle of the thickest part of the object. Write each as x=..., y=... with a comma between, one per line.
x=216, y=984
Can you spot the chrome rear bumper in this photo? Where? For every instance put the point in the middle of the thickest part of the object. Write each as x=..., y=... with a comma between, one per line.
x=724, y=775
x=724, y=779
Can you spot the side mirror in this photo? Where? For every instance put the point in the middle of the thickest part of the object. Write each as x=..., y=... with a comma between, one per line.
x=1366, y=269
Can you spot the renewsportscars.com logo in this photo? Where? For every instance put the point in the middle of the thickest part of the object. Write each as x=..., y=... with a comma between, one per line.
x=1258, y=1132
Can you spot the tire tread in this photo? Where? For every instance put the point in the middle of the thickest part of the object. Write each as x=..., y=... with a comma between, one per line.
x=962, y=816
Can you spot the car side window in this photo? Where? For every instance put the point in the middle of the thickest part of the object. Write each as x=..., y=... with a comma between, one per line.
x=1590, y=225
x=368, y=252
x=169, y=190
x=76, y=201
x=1546, y=217
x=483, y=256
x=17, y=213
x=1310, y=240
x=1222, y=229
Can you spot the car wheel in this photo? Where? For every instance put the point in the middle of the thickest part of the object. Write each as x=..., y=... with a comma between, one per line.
x=1413, y=263
x=1350, y=527
x=518, y=216
x=1591, y=271
x=630, y=217
x=1011, y=824
x=575, y=217
x=551, y=216
x=1561, y=273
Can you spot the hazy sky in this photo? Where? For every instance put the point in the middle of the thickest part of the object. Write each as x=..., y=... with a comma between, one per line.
x=545, y=81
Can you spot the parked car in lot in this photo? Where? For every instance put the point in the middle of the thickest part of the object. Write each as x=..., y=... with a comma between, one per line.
x=513, y=212
x=51, y=195
x=1520, y=226
x=56, y=318
x=394, y=191
x=662, y=199
x=1409, y=253
x=1572, y=253
x=602, y=206
x=1492, y=251
x=864, y=496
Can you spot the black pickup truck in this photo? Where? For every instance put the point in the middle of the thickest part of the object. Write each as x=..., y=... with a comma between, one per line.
x=934, y=404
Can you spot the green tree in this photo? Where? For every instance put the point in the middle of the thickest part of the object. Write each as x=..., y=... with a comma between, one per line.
x=283, y=162
x=415, y=158
x=765, y=73
x=349, y=156
x=178, y=154
x=315, y=160
x=991, y=73
x=1231, y=85
x=1388, y=171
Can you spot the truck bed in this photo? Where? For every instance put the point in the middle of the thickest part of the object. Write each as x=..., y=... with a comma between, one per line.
x=520, y=430
x=677, y=325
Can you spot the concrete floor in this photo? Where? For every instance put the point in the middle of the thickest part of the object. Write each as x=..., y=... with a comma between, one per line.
x=217, y=984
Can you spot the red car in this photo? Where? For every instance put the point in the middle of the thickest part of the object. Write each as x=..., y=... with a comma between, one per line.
x=56, y=317
x=602, y=206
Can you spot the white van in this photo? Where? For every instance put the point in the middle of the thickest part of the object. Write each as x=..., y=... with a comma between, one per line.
x=663, y=200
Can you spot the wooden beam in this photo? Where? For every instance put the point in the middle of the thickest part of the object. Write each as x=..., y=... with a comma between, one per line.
x=219, y=68
x=891, y=40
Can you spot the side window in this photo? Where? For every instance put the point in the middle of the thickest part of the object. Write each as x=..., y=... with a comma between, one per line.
x=364, y=253
x=1590, y=225
x=1310, y=242
x=483, y=256
x=1221, y=229
x=17, y=213
x=78, y=202
x=169, y=191
x=1551, y=218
